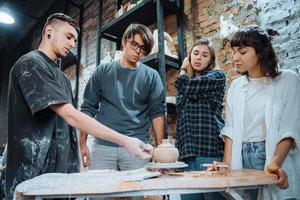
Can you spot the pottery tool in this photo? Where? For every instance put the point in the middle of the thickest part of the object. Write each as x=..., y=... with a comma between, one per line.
x=218, y=165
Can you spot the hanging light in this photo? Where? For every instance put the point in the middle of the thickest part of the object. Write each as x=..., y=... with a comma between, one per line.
x=5, y=17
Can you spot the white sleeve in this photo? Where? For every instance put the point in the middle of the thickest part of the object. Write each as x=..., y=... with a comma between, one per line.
x=289, y=125
x=227, y=130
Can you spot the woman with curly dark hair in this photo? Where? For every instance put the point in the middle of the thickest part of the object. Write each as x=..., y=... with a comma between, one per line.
x=262, y=129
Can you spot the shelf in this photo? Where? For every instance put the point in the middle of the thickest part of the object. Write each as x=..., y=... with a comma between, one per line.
x=143, y=13
x=152, y=61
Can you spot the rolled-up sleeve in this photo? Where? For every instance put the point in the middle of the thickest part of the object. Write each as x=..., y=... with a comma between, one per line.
x=289, y=125
x=227, y=130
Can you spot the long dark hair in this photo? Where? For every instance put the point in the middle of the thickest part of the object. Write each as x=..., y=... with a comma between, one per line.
x=204, y=41
x=261, y=41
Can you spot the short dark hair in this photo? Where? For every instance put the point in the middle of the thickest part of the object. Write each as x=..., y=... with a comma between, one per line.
x=62, y=17
x=204, y=41
x=143, y=31
x=261, y=41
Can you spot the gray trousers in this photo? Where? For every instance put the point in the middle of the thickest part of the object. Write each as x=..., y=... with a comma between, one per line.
x=117, y=158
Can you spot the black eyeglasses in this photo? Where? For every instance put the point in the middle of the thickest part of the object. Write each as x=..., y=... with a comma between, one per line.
x=136, y=46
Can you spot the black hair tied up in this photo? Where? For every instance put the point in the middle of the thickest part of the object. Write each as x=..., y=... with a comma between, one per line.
x=272, y=32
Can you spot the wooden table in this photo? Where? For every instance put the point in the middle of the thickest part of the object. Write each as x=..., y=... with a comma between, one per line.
x=162, y=185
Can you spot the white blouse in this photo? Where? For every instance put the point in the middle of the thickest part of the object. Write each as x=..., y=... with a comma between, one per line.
x=282, y=120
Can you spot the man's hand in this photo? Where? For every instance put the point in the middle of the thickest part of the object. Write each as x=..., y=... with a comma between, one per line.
x=137, y=148
x=85, y=154
x=282, y=181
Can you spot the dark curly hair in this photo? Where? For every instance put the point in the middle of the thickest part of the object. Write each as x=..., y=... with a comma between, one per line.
x=261, y=41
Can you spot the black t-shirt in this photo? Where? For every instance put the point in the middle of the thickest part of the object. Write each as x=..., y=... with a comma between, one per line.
x=39, y=141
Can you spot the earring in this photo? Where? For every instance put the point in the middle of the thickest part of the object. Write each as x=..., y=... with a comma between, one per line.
x=48, y=36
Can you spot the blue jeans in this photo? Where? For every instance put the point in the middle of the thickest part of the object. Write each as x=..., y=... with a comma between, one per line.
x=195, y=165
x=254, y=157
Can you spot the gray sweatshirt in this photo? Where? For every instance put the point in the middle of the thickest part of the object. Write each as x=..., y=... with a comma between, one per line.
x=125, y=100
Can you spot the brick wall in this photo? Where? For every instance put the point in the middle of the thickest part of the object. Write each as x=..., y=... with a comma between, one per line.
x=204, y=16
x=286, y=22
x=203, y=20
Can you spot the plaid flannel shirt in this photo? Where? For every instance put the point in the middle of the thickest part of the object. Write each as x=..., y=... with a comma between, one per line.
x=199, y=107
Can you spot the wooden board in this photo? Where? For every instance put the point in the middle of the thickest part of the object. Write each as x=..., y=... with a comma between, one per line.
x=237, y=178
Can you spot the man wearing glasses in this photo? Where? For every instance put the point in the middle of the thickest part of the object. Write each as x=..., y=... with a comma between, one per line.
x=131, y=97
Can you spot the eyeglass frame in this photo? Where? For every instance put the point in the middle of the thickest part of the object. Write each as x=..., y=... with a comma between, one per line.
x=136, y=47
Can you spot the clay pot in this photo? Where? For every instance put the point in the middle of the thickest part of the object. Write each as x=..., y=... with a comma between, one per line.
x=165, y=152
